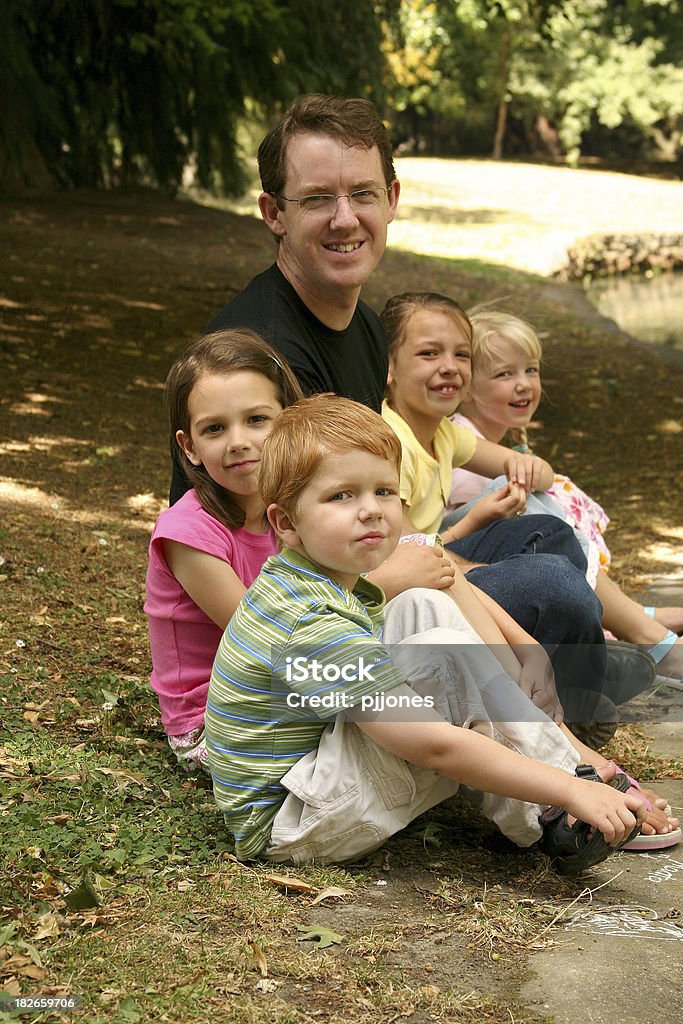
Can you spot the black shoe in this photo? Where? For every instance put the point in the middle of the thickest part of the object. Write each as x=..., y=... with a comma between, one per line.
x=592, y=717
x=630, y=671
x=570, y=847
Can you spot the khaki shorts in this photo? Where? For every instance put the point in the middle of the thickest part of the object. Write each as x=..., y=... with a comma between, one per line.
x=349, y=795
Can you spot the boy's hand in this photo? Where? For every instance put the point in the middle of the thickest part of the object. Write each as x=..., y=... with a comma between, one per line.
x=615, y=814
x=537, y=681
x=414, y=565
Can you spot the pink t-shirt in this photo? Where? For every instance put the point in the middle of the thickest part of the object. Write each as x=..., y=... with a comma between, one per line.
x=183, y=640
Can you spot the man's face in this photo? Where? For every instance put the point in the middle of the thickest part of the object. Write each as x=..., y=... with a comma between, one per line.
x=328, y=255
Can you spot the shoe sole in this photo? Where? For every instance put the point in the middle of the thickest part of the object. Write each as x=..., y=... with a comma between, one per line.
x=662, y=842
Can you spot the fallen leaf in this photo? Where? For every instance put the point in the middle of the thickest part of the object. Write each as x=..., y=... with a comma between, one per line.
x=322, y=937
x=139, y=778
x=265, y=985
x=287, y=882
x=37, y=973
x=332, y=892
x=16, y=961
x=83, y=896
x=259, y=957
x=49, y=928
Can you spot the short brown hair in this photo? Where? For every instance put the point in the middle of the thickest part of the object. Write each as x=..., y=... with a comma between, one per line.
x=308, y=431
x=220, y=353
x=354, y=121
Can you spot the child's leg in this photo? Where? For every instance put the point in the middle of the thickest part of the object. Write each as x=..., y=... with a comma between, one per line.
x=628, y=621
x=348, y=797
x=459, y=608
x=470, y=689
x=670, y=616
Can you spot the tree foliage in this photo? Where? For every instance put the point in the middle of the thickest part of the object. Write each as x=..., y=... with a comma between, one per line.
x=113, y=92
x=104, y=93
x=557, y=69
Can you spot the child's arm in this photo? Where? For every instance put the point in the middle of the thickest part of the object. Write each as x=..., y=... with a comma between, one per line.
x=475, y=760
x=211, y=583
x=529, y=471
x=502, y=504
x=409, y=527
x=413, y=565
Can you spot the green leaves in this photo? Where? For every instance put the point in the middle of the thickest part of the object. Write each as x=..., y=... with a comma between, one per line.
x=322, y=937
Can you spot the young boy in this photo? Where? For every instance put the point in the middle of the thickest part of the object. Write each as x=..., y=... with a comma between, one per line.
x=305, y=648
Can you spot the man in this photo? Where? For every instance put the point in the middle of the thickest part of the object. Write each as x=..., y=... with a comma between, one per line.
x=329, y=194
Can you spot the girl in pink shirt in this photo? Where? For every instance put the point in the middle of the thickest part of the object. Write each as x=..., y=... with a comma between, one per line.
x=222, y=396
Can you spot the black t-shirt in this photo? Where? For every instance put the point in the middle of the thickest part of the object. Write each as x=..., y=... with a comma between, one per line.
x=352, y=362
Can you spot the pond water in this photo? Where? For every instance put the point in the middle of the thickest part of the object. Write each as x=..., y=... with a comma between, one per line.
x=648, y=308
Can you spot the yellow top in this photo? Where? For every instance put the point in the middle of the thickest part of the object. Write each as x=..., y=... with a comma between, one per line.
x=425, y=480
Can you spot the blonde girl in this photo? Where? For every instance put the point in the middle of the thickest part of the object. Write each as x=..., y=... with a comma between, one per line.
x=222, y=397
x=504, y=394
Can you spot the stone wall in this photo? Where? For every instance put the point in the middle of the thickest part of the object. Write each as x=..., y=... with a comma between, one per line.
x=602, y=255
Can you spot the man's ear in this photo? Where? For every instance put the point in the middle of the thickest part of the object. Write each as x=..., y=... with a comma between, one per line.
x=271, y=214
x=393, y=199
x=186, y=444
x=283, y=526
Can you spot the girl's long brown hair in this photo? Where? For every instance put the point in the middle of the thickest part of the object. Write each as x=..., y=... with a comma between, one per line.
x=222, y=352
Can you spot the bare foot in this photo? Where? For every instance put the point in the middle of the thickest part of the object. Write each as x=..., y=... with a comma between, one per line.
x=656, y=821
x=671, y=617
x=672, y=663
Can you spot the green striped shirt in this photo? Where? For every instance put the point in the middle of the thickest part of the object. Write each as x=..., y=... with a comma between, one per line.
x=299, y=649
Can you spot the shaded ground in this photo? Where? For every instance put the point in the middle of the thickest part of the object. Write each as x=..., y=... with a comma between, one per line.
x=98, y=293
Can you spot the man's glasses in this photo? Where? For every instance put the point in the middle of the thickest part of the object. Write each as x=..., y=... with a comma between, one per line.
x=361, y=199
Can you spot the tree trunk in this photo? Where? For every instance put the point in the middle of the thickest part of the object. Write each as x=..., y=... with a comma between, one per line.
x=502, y=115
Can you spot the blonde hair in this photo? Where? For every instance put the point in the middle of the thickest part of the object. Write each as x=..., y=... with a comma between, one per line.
x=490, y=325
x=221, y=353
x=308, y=431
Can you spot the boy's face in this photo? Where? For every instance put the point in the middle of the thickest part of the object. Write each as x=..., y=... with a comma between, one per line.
x=348, y=518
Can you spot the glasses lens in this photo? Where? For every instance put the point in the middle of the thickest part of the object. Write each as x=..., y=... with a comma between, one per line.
x=325, y=203
x=318, y=204
x=366, y=197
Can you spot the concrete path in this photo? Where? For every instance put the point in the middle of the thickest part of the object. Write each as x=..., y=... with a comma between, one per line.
x=619, y=958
